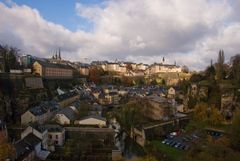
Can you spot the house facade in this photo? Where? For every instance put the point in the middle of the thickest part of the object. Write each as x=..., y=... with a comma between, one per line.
x=40, y=114
x=160, y=109
x=52, y=70
x=39, y=131
x=171, y=93
x=66, y=116
x=163, y=68
x=56, y=135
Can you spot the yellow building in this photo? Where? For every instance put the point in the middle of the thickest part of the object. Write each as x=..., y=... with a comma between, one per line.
x=52, y=70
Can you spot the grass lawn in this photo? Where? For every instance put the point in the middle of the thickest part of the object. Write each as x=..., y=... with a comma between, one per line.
x=172, y=153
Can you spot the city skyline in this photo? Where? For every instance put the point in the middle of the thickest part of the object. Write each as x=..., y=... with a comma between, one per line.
x=190, y=33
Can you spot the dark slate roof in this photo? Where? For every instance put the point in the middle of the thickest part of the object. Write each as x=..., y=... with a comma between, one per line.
x=32, y=140
x=26, y=145
x=95, y=117
x=44, y=107
x=76, y=104
x=22, y=149
x=53, y=65
x=38, y=127
x=68, y=112
x=38, y=110
x=54, y=128
x=66, y=95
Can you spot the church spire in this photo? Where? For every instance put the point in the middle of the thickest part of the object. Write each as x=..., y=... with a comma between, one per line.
x=59, y=54
x=56, y=56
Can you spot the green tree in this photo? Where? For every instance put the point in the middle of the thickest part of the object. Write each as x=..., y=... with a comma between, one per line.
x=220, y=65
x=207, y=115
x=235, y=63
x=211, y=152
x=235, y=130
x=210, y=72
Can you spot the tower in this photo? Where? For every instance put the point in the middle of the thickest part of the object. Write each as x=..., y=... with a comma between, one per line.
x=59, y=54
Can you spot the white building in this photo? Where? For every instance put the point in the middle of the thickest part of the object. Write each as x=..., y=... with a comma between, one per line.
x=66, y=116
x=56, y=134
x=163, y=68
x=92, y=121
x=39, y=131
x=39, y=114
x=171, y=92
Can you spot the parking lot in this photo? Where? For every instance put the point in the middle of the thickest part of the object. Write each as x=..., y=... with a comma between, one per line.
x=182, y=142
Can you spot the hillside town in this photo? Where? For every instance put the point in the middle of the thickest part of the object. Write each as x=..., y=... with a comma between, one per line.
x=55, y=109
x=119, y=80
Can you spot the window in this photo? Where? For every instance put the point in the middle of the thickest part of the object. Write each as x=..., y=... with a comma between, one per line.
x=50, y=136
x=56, y=136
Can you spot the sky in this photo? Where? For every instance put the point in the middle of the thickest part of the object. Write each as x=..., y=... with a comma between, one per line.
x=188, y=32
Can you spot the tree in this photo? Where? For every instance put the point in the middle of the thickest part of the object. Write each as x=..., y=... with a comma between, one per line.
x=210, y=72
x=129, y=67
x=196, y=78
x=7, y=151
x=185, y=69
x=207, y=115
x=215, y=117
x=9, y=55
x=94, y=74
x=220, y=65
x=154, y=82
x=127, y=81
x=192, y=101
x=235, y=130
x=235, y=63
x=211, y=152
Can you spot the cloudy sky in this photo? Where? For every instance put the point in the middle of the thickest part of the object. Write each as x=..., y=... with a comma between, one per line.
x=190, y=32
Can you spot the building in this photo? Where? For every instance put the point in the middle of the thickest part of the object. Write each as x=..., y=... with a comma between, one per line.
x=109, y=96
x=171, y=92
x=26, y=61
x=56, y=134
x=92, y=120
x=28, y=148
x=52, y=70
x=163, y=68
x=141, y=66
x=39, y=131
x=84, y=69
x=34, y=82
x=66, y=116
x=160, y=108
x=3, y=132
x=67, y=98
x=40, y=114
x=228, y=104
x=112, y=98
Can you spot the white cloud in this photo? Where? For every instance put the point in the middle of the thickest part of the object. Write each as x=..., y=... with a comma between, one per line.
x=190, y=32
